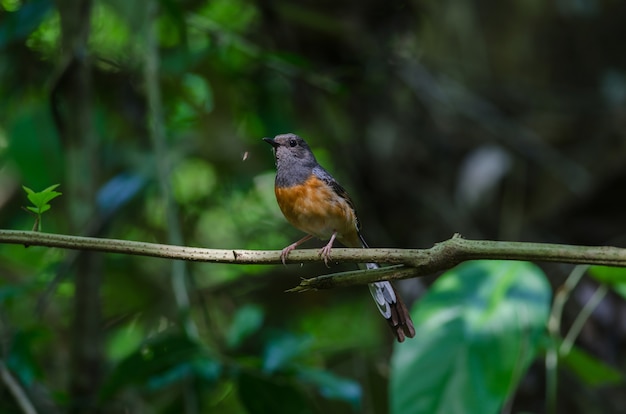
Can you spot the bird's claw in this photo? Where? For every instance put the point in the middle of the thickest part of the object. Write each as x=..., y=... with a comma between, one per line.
x=285, y=253
x=325, y=254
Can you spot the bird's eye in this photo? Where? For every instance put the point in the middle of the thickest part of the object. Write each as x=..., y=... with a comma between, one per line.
x=293, y=142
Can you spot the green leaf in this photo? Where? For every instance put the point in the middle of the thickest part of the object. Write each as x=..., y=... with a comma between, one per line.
x=124, y=341
x=478, y=328
x=40, y=199
x=612, y=276
x=333, y=387
x=207, y=369
x=20, y=23
x=168, y=377
x=278, y=395
x=201, y=368
x=247, y=321
x=158, y=361
x=590, y=369
x=282, y=349
x=35, y=198
x=52, y=187
x=49, y=196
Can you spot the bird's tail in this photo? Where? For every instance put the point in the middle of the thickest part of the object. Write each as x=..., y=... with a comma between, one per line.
x=390, y=305
x=392, y=308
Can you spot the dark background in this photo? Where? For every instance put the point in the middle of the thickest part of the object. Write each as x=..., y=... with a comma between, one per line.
x=497, y=120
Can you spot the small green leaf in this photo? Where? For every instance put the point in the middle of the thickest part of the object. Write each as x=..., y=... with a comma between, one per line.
x=612, y=276
x=207, y=369
x=124, y=341
x=247, y=321
x=40, y=199
x=52, y=187
x=169, y=377
x=333, y=387
x=36, y=199
x=607, y=274
x=282, y=350
x=201, y=368
x=49, y=196
x=590, y=369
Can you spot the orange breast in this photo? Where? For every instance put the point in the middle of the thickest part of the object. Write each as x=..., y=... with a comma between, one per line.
x=316, y=209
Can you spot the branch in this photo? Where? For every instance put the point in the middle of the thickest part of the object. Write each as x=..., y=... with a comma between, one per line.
x=417, y=262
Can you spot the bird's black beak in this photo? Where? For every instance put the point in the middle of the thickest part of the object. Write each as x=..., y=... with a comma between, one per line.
x=271, y=142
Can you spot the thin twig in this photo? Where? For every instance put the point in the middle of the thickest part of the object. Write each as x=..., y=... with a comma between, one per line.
x=554, y=329
x=356, y=277
x=581, y=318
x=16, y=390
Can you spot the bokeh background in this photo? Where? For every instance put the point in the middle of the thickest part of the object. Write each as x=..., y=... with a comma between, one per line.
x=497, y=120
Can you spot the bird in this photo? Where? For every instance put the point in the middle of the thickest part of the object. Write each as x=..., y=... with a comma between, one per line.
x=315, y=203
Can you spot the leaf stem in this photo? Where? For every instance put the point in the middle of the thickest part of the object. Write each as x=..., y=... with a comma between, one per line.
x=581, y=318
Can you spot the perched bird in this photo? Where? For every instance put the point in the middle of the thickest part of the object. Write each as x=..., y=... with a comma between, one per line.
x=314, y=202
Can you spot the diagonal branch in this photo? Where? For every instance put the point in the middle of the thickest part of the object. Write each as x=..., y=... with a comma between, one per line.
x=14, y=387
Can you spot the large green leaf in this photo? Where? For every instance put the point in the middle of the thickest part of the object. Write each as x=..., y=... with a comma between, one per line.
x=478, y=329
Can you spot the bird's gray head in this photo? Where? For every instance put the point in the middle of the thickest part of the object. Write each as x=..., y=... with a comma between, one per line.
x=291, y=151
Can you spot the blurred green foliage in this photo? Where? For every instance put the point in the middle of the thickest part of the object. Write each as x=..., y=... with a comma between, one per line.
x=399, y=101
x=481, y=325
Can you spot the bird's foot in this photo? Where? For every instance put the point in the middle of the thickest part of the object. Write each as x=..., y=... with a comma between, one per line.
x=286, y=251
x=325, y=251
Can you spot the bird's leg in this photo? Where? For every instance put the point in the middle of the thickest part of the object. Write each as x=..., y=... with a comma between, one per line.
x=288, y=249
x=325, y=251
